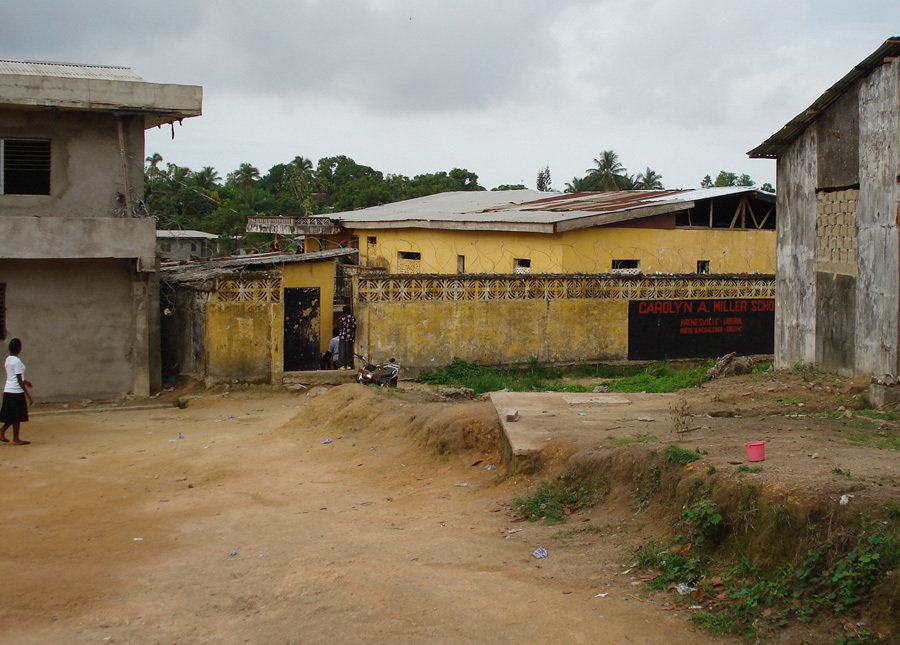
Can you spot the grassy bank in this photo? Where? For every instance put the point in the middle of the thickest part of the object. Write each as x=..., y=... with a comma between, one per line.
x=655, y=377
x=757, y=563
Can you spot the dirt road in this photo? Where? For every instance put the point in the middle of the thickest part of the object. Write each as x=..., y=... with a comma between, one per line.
x=252, y=529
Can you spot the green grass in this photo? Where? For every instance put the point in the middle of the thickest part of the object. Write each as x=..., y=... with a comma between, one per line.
x=748, y=469
x=555, y=500
x=639, y=437
x=881, y=438
x=656, y=377
x=676, y=455
x=878, y=414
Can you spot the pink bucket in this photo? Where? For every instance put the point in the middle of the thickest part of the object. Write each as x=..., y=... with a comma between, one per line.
x=756, y=450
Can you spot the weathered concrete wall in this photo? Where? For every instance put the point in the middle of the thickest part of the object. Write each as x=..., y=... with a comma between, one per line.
x=77, y=320
x=878, y=208
x=427, y=320
x=78, y=237
x=795, y=286
x=239, y=340
x=431, y=334
x=838, y=294
x=86, y=175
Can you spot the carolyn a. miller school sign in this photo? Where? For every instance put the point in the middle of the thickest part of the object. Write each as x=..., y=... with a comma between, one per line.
x=661, y=329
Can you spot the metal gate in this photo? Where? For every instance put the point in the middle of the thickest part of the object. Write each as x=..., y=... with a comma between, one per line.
x=301, y=329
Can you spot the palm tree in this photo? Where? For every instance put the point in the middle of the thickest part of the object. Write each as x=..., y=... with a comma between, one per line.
x=244, y=177
x=153, y=167
x=648, y=180
x=207, y=178
x=578, y=185
x=609, y=173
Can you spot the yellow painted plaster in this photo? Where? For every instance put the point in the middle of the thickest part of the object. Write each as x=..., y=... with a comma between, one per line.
x=427, y=334
x=590, y=250
x=239, y=340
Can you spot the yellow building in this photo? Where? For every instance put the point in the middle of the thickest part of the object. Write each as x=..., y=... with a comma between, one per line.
x=507, y=276
x=716, y=230
x=249, y=318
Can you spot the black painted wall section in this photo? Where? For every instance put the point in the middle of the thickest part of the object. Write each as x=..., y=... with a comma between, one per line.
x=835, y=321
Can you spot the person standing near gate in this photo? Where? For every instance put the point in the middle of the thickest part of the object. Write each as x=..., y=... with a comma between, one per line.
x=346, y=336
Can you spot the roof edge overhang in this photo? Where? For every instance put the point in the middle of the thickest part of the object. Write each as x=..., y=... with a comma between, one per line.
x=779, y=142
x=156, y=103
x=468, y=225
x=604, y=219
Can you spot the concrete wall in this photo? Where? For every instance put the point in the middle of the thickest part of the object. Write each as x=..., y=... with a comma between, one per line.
x=431, y=334
x=878, y=208
x=86, y=175
x=795, y=284
x=425, y=321
x=589, y=250
x=91, y=316
x=80, y=325
x=842, y=317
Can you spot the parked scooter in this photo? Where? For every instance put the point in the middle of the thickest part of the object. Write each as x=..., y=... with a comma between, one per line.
x=381, y=375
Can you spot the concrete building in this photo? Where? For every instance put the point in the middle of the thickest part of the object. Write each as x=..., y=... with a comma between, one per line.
x=185, y=246
x=714, y=230
x=250, y=318
x=838, y=174
x=78, y=276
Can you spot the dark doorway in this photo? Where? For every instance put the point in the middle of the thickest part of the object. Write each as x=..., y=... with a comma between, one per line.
x=301, y=329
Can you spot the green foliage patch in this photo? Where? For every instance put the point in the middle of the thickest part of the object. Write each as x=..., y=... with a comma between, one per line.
x=656, y=377
x=678, y=455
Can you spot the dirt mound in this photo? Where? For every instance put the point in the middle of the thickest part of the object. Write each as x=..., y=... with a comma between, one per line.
x=440, y=427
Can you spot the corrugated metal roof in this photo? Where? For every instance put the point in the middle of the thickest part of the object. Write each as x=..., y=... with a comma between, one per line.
x=185, y=234
x=551, y=213
x=67, y=70
x=779, y=142
x=206, y=269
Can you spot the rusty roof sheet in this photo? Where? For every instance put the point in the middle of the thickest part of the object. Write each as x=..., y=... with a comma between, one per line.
x=550, y=213
x=779, y=142
x=205, y=269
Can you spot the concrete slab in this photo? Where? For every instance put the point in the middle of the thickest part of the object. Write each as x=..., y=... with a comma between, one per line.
x=582, y=420
x=319, y=377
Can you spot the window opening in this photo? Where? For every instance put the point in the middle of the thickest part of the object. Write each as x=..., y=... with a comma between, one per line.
x=460, y=263
x=626, y=267
x=24, y=166
x=408, y=261
x=703, y=266
x=371, y=240
x=521, y=265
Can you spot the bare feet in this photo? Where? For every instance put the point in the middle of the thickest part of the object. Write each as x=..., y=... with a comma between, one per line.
x=21, y=443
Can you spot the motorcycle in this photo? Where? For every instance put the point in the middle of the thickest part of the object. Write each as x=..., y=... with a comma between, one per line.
x=381, y=375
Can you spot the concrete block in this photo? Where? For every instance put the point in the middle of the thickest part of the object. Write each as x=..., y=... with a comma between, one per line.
x=512, y=415
x=883, y=395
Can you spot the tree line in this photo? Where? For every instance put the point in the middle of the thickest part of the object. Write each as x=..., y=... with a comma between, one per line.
x=182, y=198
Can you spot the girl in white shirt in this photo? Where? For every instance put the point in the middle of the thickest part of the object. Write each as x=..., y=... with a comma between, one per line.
x=15, y=409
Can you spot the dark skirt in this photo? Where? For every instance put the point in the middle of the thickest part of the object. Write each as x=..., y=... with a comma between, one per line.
x=15, y=408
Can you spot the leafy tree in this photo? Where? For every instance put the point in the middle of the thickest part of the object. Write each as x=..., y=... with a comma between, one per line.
x=243, y=178
x=769, y=188
x=648, y=180
x=706, y=182
x=609, y=174
x=543, y=179
x=511, y=187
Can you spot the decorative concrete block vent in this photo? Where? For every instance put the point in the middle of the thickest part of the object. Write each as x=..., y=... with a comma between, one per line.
x=836, y=231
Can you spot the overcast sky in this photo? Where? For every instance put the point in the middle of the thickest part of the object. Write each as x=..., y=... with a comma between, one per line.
x=501, y=88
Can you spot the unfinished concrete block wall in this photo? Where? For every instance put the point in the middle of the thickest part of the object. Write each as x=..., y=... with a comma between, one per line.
x=836, y=231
